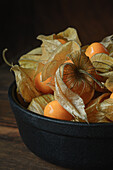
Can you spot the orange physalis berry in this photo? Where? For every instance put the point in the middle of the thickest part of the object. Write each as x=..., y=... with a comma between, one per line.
x=42, y=86
x=95, y=48
x=55, y=110
x=62, y=41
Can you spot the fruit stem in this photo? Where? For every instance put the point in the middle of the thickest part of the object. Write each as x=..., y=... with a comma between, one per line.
x=4, y=58
x=85, y=72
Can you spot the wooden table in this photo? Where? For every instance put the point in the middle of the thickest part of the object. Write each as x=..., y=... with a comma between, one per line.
x=13, y=153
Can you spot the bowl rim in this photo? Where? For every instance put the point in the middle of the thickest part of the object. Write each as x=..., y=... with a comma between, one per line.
x=12, y=97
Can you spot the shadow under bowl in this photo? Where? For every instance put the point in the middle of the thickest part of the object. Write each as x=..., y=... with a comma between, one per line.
x=68, y=144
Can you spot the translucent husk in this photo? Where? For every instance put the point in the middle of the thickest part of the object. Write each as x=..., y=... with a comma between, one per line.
x=102, y=62
x=71, y=101
x=31, y=59
x=107, y=108
x=70, y=34
x=25, y=83
x=107, y=41
x=109, y=83
x=38, y=104
x=80, y=76
x=58, y=57
x=95, y=114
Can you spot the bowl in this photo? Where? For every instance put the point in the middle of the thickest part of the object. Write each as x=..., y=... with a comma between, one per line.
x=68, y=144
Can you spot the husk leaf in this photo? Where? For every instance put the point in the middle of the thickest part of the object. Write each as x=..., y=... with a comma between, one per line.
x=48, y=47
x=106, y=106
x=71, y=101
x=57, y=58
x=107, y=41
x=79, y=76
x=110, y=49
x=70, y=34
x=38, y=104
x=25, y=84
x=102, y=62
x=109, y=83
x=95, y=115
x=109, y=116
x=31, y=59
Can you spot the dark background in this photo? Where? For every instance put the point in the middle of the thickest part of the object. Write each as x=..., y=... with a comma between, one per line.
x=22, y=21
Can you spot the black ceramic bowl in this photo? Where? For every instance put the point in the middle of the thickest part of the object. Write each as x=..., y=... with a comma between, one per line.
x=64, y=143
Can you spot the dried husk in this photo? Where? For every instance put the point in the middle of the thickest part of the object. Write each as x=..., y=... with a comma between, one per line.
x=95, y=115
x=107, y=41
x=38, y=104
x=58, y=57
x=107, y=107
x=25, y=84
x=109, y=116
x=102, y=62
x=71, y=101
x=48, y=47
x=79, y=76
x=31, y=59
x=51, y=46
x=109, y=83
x=107, y=74
x=110, y=50
x=36, y=51
x=70, y=34
x=104, y=120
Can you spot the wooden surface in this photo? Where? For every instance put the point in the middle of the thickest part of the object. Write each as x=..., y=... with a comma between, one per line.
x=21, y=22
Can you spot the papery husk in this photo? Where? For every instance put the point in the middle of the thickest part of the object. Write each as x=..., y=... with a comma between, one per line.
x=25, y=84
x=109, y=83
x=69, y=100
x=109, y=116
x=107, y=74
x=48, y=47
x=45, y=37
x=79, y=76
x=58, y=58
x=31, y=59
x=70, y=34
x=110, y=49
x=102, y=62
x=36, y=51
x=38, y=104
x=104, y=120
x=106, y=106
x=107, y=41
x=95, y=115
x=29, y=72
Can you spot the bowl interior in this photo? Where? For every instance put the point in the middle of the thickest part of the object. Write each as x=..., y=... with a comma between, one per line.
x=78, y=129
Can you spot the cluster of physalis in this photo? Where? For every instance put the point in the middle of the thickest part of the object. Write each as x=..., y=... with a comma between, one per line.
x=64, y=80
